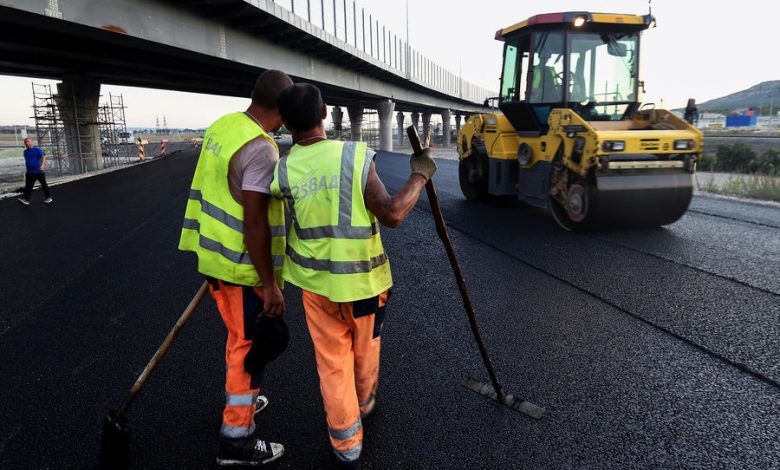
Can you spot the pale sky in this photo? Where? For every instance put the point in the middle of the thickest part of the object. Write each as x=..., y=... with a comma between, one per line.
x=700, y=49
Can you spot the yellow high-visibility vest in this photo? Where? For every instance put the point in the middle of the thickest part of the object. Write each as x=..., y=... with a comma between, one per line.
x=213, y=221
x=334, y=248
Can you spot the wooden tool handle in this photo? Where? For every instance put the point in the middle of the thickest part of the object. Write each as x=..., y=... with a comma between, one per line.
x=139, y=383
x=441, y=230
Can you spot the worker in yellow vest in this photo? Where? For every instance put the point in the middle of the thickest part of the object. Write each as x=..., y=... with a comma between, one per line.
x=545, y=83
x=238, y=233
x=335, y=254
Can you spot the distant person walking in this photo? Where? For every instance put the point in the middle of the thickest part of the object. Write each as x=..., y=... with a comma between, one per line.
x=35, y=160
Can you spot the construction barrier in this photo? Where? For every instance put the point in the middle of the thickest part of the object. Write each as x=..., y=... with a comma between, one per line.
x=162, y=146
x=141, y=154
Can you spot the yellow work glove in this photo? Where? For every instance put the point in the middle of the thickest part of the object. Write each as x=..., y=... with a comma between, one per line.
x=423, y=164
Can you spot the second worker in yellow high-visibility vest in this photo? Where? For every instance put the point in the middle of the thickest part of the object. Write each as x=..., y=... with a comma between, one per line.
x=335, y=254
x=238, y=233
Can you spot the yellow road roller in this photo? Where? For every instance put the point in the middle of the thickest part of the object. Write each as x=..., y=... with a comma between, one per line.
x=572, y=134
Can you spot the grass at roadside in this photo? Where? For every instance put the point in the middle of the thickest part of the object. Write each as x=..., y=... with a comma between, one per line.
x=10, y=153
x=762, y=187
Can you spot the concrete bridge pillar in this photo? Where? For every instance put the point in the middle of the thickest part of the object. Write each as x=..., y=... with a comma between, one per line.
x=337, y=115
x=385, y=110
x=399, y=117
x=355, y=112
x=416, y=120
x=457, y=124
x=446, y=116
x=78, y=101
x=426, y=118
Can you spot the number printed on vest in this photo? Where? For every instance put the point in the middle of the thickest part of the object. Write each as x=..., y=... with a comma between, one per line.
x=311, y=183
x=212, y=145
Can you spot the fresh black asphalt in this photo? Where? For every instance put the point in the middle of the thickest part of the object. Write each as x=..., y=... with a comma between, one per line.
x=648, y=348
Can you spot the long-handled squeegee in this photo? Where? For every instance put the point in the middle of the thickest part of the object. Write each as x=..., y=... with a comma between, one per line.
x=494, y=391
x=115, y=440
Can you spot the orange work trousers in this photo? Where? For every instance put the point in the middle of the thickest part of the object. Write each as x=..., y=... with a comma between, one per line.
x=346, y=339
x=238, y=306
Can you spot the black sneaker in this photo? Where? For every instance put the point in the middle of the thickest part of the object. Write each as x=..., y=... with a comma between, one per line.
x=261, y=403
x=254, y=452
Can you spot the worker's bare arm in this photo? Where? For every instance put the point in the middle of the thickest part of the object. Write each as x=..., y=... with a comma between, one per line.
x=391, y=210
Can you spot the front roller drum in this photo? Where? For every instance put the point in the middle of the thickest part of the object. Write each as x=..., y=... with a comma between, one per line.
x=625, y=201
x=473, y=174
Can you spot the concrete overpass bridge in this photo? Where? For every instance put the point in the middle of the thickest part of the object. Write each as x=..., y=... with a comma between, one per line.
x=220, y=46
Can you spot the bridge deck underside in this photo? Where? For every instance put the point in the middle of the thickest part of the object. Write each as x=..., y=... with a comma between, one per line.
x=35, y=45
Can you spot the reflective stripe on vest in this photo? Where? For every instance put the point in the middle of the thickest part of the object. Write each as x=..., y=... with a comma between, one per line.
x=341, y=259
x=338, y=267
x=213, y=224
x=227, y=219
x=344, y=229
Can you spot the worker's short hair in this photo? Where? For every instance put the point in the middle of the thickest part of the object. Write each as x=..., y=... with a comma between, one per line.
x=301, y=107
x=269, y=85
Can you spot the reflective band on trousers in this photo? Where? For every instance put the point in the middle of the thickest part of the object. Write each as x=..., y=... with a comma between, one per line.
x=337, y=267
x=235, y=432
x=240, y=400
x=215, y=212
x=344, y=434
x=349, y=455
x=367, y=402
x=344, y=229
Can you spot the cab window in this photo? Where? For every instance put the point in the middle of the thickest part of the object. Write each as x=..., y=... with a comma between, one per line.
x=514, y=73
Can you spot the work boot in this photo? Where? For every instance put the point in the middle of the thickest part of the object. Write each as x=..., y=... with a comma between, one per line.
x=261, y=403
x=253, y=452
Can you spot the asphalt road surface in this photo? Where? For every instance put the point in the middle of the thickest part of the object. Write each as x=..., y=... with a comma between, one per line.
x=648, y=348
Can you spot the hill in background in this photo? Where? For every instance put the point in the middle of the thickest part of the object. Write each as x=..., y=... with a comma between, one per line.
x=757, y=97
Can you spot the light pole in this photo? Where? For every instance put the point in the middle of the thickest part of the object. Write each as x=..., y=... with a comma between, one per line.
x=408, y=55
x=771, y=110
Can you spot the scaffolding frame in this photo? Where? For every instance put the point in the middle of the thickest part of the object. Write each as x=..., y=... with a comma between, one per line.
x=49, y=128
x=112, y=127
x=69, y=149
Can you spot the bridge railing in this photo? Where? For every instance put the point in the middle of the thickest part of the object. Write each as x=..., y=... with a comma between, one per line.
x=359, y=32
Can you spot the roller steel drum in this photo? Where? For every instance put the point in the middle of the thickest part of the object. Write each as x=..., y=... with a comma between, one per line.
x=626, y=200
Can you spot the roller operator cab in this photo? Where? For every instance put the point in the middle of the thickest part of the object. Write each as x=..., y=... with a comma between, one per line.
x=572, y=136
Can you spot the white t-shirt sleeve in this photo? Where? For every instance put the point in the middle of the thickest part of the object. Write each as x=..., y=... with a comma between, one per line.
x=255, y=166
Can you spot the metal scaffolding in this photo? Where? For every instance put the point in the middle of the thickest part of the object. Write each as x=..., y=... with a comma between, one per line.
x=113, y=133
x=49, y=129
x=72, y=140
x=369, y=127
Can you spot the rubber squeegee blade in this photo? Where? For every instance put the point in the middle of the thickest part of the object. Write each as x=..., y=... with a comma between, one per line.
x=486, y=389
